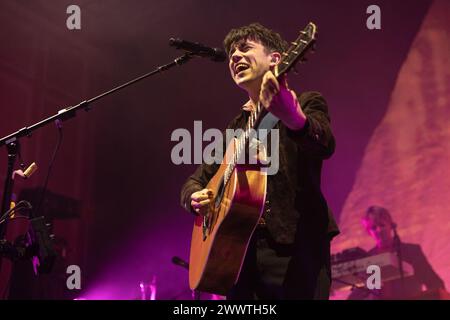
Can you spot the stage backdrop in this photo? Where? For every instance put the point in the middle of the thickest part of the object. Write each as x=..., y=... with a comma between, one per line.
x=405, y=167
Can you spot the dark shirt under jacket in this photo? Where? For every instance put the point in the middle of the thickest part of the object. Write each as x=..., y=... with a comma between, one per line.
x=295, y=207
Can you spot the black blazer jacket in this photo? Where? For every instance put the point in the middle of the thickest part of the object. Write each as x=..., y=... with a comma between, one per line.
x=295, y=211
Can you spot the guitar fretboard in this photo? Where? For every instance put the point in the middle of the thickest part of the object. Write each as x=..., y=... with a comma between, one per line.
x=242, y=141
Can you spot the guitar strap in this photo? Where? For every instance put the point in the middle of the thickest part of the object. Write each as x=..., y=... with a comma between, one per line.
x=267, y=123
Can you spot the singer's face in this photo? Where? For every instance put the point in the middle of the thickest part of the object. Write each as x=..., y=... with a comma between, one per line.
x=249, y=61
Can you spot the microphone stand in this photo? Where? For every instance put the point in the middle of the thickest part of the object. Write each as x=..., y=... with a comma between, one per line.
x=13, y=148
x=12, y=141
x=397, y=246
x=196, y=294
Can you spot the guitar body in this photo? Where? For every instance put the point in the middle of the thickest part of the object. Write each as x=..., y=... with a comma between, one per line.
x=217, y=254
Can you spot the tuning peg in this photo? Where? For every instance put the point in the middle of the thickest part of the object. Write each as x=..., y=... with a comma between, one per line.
x=52, y=236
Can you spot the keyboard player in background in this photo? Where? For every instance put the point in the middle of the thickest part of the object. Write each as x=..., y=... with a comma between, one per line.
x=380, y=226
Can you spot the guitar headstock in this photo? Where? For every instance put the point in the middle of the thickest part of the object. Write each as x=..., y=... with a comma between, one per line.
x=304, y=42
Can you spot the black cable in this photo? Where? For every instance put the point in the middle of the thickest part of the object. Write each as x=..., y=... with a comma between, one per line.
x=16, y=208
x=52, y=160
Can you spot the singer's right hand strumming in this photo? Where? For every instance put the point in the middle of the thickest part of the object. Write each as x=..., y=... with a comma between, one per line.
x=200, y=201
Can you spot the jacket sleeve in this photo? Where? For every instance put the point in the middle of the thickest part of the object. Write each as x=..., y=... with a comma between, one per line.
x=316, y=137
x=196, y=182
x=203, y=174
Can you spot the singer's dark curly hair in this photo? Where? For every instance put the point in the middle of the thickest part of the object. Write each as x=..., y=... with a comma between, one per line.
x=255, y=32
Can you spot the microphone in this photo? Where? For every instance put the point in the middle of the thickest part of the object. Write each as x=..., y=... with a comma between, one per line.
x=216, y=54
x=180, y=262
